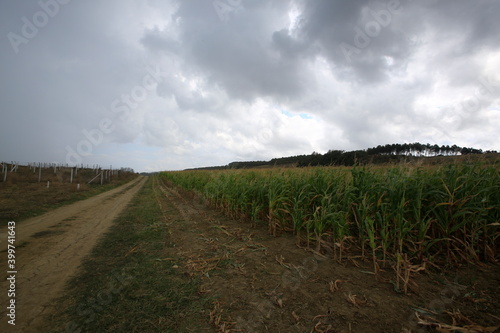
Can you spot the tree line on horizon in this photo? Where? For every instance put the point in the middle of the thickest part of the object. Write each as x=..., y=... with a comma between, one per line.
x=377, y=155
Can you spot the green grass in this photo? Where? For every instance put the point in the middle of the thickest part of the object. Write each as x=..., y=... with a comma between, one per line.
x=125, y=286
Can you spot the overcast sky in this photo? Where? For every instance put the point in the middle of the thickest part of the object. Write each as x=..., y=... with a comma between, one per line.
x=165, y=85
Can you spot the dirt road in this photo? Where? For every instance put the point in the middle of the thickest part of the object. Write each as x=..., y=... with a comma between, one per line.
x=49, y=249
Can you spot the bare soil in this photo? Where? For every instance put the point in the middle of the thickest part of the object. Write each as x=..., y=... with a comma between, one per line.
x=49, y=249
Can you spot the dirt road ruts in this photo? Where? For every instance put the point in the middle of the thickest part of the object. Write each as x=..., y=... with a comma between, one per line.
x=49, y=249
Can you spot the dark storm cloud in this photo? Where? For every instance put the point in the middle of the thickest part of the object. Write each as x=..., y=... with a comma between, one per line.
x=359, y=36
x=238, y=54
x=62, y=80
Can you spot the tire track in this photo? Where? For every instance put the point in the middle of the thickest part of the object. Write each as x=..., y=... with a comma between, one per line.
x=53, y=246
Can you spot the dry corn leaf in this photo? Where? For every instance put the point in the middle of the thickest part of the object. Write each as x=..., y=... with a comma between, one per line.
x=353, y=299
x=334, y=285
x=317, y=328
x=132, y=250
x=279, y=301
x=445, y=328
x=281, y=260
x=216, y=319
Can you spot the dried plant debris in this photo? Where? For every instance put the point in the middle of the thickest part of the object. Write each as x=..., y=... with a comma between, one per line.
x=460, y=323
x=335, y=285
x=355, y=300
x=216, y=319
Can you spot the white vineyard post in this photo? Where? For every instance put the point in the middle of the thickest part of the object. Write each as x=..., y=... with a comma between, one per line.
x=59, y=174
x=48, y=184
x=71, y=177
x=4, y=169
x=78, y=187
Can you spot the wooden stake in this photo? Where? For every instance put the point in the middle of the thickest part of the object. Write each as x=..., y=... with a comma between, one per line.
x=93, y=179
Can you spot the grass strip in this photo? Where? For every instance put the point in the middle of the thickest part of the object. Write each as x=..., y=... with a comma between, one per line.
x=125, y=285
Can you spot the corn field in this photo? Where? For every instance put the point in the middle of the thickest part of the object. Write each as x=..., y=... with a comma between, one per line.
x=399, y=216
